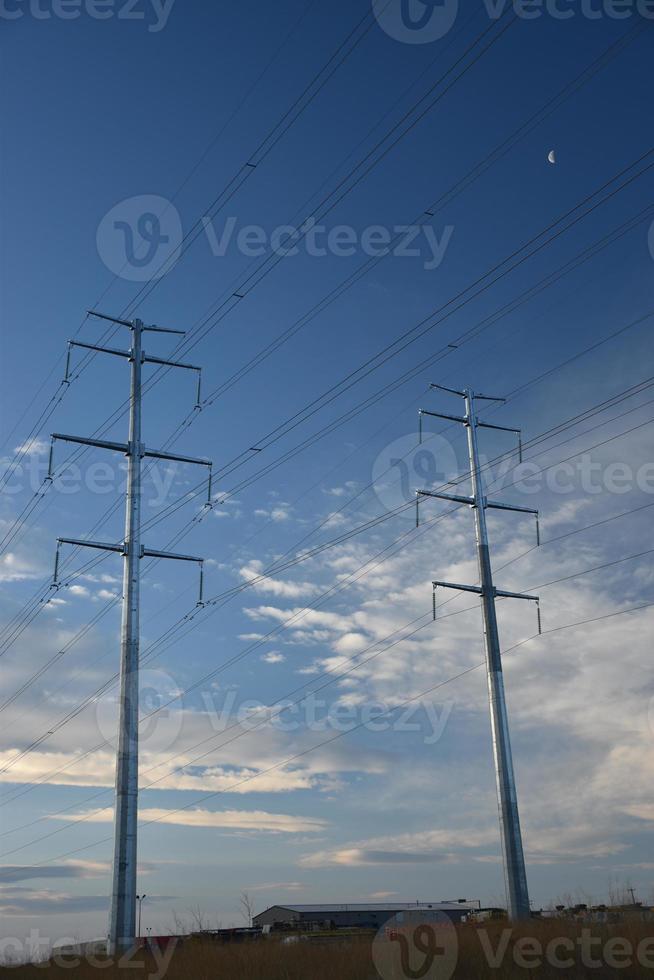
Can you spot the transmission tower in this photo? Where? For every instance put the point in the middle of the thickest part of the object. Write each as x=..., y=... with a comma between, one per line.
x=514, y=862
x=122, y=922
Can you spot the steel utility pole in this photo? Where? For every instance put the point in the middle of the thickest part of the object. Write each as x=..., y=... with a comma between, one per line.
x=122, y=924
x=139, y=899
x=514, y=862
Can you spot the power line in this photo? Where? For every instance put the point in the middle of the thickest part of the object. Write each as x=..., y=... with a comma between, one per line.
x=329, y=428
x=431, y=210
x=281, y=566
x=335, y=676
x=188, y=620
x=273, y=436
x=304, y=753
x=110, y=331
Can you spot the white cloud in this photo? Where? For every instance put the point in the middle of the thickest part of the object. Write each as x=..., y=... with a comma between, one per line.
x=67, y=869
x=277, y=886
x=16, y=568
x=351, y=643
x=431, y=846
x=252, y=573
x=249, y=820
x=274, y=657
x=278, y=513
x=35, y=447
x=106, y=594
x=643, y=811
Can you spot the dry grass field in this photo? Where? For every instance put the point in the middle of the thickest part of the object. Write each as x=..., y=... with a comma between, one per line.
x=551, y=950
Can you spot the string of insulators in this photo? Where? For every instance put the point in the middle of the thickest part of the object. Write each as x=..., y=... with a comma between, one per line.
x=66, y=379
x=200, y=601
x=55, y=579
x=209, y=502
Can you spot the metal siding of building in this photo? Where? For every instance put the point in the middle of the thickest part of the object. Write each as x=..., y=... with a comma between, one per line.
x=355, y=916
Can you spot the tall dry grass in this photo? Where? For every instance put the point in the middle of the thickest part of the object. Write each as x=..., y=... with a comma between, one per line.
x=352, y=960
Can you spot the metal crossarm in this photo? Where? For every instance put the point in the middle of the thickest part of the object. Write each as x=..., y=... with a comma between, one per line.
x=153, y=328
x=521, y=510
x=99, y=545
x=452, y=391
x=151, y=553
x=500, y=428
x=436, y=415
x=118, y=447
x=453, y=497
x=130, y=323
x=487, y=398
x=101, y=350
x=149, y=359
x=516, y=595
x=112, y=319
x=175, y=457
x=497, y=505
x=456, y=585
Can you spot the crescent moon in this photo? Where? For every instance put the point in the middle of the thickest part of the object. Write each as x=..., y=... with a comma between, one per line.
x=551, y=156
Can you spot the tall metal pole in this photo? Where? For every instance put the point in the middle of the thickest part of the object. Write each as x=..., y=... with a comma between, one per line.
x=122, y=921
x=514, y=861
x=122, y=926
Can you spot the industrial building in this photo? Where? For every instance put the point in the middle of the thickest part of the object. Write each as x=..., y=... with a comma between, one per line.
x=367, y=916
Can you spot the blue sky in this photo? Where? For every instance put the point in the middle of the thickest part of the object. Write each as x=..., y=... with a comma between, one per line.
x=116, y=117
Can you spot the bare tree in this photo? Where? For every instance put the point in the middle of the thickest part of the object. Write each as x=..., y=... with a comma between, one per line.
x=247, y=908
x=198, y=918
x=179, y=926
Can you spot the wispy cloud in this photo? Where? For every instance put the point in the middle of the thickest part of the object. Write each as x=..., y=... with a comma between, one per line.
x=250, y=820
x=252, y=573
x=274, y=657
x=69, y=869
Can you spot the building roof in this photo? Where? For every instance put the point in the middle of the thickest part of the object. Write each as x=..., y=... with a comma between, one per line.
x=374, y=906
